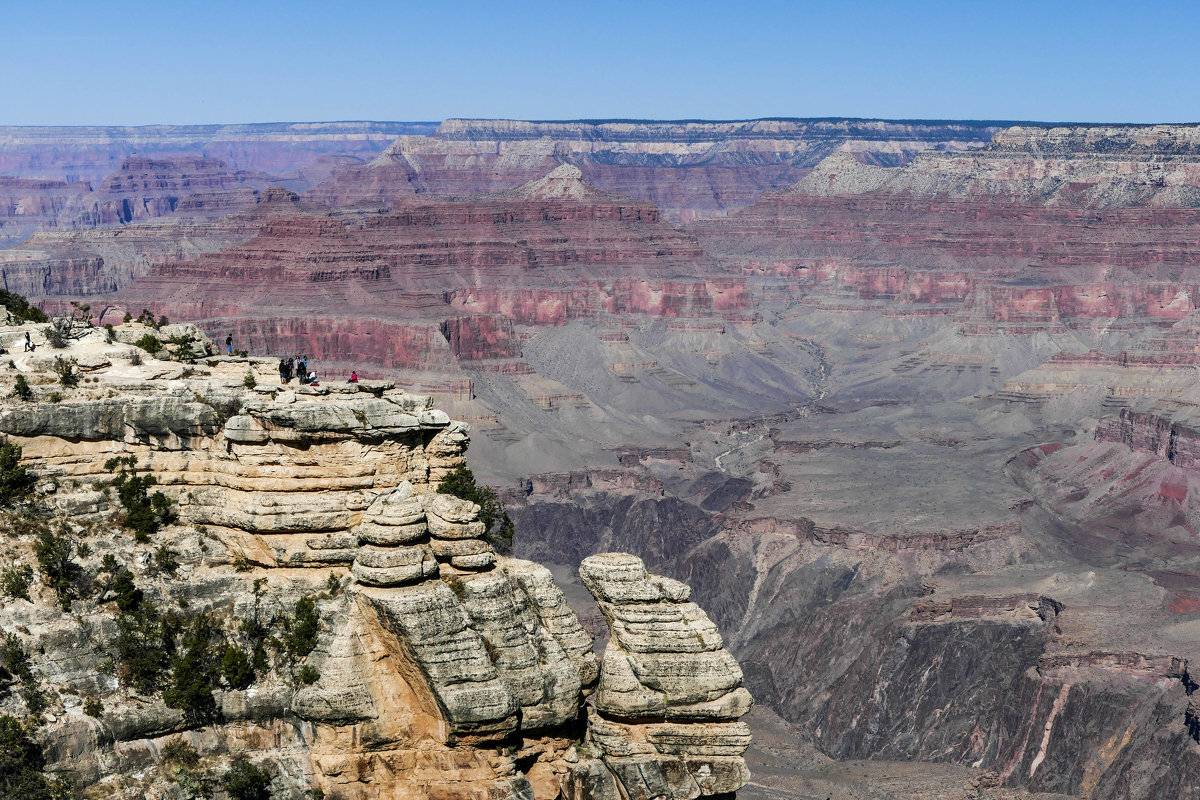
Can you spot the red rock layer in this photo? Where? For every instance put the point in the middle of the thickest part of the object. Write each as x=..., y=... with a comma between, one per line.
x=145, y=188
x=1001, y=264
x=449, y=264
x=29, y=204
x=1148, y=432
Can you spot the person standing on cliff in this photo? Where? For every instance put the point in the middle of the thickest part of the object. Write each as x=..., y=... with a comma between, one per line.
x=28, y=343
x=229, y=344
x=283, y=371
x=302, y=369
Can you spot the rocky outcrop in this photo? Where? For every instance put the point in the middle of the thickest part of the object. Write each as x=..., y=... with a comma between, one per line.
x=437, y=668
x=669, y=694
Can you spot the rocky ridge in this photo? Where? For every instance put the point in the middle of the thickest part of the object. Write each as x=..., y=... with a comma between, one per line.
x=689, y=169
x=439, y=668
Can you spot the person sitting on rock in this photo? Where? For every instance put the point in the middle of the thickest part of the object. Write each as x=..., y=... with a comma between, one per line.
x=353, y=377
x=311, y=380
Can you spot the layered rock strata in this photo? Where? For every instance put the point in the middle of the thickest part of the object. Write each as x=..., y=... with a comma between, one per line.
x=88, y=153
x=1041, y=230
x=690, y=169
x=669, y=695
x=441, y=669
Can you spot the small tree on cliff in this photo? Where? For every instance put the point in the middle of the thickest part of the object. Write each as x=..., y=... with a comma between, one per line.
x=460, y=483
x=16, y=482
x=19, y=308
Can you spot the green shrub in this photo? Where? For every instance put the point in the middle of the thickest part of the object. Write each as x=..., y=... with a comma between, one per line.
x=21, y=389
x=184, y=350
x=308, y=674
x=15, y=659
x=35, y=698
x=59, y=572
x=149, y=342
x=303, y=628
x=244, y=781
x=21, y=763
x=144, y=644
x=20, y=309
x=179, y=751
x=460, y=482
x=58, y=333
x=65, y=369
x=15, y=581
x=128, y=596
x=193, y=673
x=15, y=663
x=145, y=513
x=165, y=560
x=16, y=481
x=249, y=381
x=236, y=668
x=195, y=784
x=93, y=707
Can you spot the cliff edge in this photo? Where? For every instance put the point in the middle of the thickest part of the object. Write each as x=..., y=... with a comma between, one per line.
x=239, y=579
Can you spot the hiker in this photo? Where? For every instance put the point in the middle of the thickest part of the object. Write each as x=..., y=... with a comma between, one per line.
x=302, y=369
x=28, y=343
x=353, y=377
x=229, y=344
x=290, y=368
x=283, y=371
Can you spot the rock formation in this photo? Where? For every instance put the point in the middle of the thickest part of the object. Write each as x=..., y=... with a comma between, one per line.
x=88, y=153
x=917, y=427
x=437, y=668
x=687, y=169
x=669, y=694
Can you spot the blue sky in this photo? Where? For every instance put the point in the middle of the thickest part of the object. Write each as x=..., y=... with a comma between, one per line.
x=71, y=62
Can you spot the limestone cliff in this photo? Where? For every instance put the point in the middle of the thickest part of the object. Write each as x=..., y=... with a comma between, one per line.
x=393, y=653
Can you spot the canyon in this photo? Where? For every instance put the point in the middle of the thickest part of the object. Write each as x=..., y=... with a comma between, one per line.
x=909, y=406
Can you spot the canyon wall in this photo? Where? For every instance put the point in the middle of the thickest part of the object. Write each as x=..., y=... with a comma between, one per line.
x=689, y=169
x=88, y=153
x=437, y=667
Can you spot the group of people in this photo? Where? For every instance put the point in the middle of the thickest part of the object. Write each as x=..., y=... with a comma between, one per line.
x=296, y=367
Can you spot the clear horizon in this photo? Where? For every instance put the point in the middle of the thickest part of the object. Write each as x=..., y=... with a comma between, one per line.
x=69, y=62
